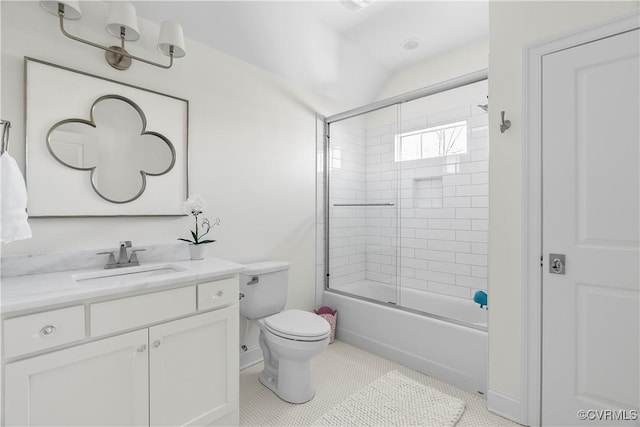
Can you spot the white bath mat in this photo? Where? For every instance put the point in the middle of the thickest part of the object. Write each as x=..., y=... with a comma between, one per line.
x=395, y=400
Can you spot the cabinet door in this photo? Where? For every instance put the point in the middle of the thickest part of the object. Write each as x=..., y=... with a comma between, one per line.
x=100, y=383
x=194, y=369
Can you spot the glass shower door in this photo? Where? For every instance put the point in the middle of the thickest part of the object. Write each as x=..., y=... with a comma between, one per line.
x=406, y=199
x=362, y=206
x=442, y=161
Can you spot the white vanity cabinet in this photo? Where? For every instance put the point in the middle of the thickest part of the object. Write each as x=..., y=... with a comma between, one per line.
x=99, y=383
x=166, y=358
x=193, y=370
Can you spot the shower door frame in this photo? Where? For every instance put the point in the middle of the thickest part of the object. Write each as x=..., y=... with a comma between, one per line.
x=446, y=85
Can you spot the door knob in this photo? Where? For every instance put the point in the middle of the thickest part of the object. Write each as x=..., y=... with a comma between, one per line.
x=556, y=263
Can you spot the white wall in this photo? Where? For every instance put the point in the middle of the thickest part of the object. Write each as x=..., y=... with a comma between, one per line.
x=465, y=60
x=513, y=26
x=251, y=145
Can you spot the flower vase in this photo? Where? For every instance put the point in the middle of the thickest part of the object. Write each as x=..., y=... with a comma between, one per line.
x=196, y=252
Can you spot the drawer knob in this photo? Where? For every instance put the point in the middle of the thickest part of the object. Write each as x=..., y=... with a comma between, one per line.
x=47, y=331
x=218, y=295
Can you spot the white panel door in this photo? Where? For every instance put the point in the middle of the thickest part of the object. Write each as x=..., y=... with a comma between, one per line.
x=194, y=369
x=103, y=383
x=591, y=320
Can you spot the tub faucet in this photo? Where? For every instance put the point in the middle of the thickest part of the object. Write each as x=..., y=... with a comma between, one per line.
x=123, y=259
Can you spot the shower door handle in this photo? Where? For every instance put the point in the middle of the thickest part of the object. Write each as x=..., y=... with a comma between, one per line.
x=364, y=204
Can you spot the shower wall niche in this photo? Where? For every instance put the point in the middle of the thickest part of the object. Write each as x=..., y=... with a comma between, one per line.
x=408, y=197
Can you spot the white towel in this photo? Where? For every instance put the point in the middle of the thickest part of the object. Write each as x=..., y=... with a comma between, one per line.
x=13, y=200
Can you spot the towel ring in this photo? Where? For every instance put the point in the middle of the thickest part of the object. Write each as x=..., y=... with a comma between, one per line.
x=6, y=125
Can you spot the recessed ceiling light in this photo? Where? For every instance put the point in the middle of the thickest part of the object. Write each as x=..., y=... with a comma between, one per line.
x=410, y=44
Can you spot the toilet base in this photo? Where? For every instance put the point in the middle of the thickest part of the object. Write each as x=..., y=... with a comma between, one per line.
x=287, y=367
x=271, y=383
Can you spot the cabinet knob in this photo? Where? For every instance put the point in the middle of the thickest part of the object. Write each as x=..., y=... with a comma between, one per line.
x=156, y=344
x=142, y=348
x=47, y=331
x=218, y=295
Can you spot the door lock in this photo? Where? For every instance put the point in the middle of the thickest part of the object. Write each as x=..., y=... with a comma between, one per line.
x=556, y=263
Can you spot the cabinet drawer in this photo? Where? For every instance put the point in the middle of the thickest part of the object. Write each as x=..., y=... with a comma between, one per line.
x=218, y=293
x=39, y=331
x=132, y=312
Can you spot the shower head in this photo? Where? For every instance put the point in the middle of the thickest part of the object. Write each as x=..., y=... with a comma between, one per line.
x=484, y=107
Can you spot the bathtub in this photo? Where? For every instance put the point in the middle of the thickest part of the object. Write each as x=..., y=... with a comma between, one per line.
x=443, y=337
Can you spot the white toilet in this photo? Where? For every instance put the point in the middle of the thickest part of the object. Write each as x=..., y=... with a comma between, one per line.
x=289, y=339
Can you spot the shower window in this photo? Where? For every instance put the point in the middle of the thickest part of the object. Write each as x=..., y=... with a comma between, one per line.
x=432, y=142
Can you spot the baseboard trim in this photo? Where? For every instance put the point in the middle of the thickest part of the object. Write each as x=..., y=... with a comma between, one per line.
x=506, y=406
x=250, y=357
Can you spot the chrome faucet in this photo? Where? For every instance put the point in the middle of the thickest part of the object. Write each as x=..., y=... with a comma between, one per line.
x=122, y=256
x=123, y=260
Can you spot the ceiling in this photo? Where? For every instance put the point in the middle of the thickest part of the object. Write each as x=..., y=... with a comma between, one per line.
x=323, y=45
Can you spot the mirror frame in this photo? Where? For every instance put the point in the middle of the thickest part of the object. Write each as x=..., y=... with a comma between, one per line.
x=53, y=94
x=91, y=122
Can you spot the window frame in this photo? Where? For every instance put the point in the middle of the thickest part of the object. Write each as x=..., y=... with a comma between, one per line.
x=422, y=131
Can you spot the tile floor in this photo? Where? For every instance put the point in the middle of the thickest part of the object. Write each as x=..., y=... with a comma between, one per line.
x=338, y=373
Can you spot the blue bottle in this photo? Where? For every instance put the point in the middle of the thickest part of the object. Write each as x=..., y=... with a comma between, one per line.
x=480, y=297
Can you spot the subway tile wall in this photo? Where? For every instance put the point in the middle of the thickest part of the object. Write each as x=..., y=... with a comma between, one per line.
x=348, y=232
x=434, y=238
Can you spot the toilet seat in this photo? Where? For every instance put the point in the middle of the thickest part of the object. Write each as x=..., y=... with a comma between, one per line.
x=297, y=325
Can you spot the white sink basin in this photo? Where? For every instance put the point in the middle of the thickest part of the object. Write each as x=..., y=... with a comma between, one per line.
x=124, y=274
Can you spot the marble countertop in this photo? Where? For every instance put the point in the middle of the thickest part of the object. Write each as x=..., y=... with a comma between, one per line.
x=35, y=291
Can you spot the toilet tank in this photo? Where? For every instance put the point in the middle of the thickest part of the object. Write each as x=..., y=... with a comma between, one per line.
x=264, y=285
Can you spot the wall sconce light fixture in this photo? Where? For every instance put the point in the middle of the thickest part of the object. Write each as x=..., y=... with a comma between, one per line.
x=122, y=23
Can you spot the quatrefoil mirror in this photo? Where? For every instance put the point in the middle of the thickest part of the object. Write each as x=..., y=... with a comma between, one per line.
x=101, y=147
x=115, y=146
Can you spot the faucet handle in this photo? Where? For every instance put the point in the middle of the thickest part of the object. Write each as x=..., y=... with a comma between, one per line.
x=134, y=257
x=126, y=243
x=112, y=257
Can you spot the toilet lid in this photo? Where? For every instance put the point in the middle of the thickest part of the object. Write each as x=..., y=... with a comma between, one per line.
x=297, y=323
